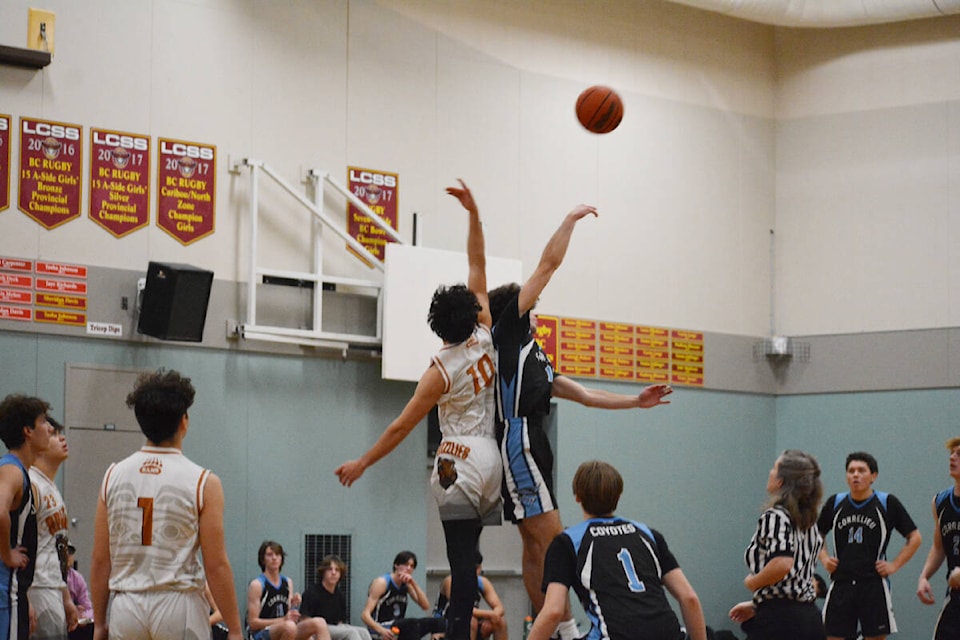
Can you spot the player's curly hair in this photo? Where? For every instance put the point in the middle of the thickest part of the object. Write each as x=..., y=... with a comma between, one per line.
x=16, y=412
x=801, y=488
x=160, y=400
x=500, y=298
x=453, y=313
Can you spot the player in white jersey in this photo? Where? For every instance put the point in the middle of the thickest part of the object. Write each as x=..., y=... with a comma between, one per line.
x=156, y=510
x=54, y=609
x=467, y=471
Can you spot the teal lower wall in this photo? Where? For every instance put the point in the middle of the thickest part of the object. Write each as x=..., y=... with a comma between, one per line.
x=905, y=431
x=695, y=470
x=274, y=428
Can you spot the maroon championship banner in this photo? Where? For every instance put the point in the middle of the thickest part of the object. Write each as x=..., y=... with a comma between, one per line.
x=186, y=176
x=379, y=190
x=51, y=163
x=4, y=162
x=119, y=181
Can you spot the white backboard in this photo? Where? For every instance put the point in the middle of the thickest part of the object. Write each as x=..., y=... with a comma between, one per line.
x=411, y=276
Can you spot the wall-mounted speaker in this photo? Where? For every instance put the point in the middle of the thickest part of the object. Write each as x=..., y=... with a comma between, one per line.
x=174, y=304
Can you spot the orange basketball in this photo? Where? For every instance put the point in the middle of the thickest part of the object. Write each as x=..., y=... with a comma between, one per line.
x=599, y=109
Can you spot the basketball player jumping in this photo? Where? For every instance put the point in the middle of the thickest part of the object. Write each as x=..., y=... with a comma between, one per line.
x=467, y=472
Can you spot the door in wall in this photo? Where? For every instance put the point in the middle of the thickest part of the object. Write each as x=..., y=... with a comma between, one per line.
x=100, y=430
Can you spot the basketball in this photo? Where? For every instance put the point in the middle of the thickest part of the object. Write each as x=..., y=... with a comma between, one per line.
x=599, y=109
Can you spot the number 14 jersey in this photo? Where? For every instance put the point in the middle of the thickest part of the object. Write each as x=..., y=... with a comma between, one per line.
x=861, y=531
x=154, y=498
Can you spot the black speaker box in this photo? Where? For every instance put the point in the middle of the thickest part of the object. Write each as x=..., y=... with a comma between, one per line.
x=174, y=305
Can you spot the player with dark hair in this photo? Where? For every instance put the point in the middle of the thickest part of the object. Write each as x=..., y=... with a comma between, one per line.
x=273, y=605
x=946, y=546
x=862, y=520
x=467, y=471
x=157, y=513
x=620, y=569
x=385, y=612
x=453, y=313
x=53, y=608
x=782, y=555
x=26, y=431
x=526, y=384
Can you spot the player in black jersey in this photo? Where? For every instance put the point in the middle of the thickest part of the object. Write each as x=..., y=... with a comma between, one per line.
x=386, y=608
x=526, y=382
x=619, y=568
x=273, y=607
x=946, y=545
x=862, y=520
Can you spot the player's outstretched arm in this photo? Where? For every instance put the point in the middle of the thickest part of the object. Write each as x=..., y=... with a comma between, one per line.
x=690, y=608
x=551, y=258
x=428, y=392
x=215, y=561
x=569, y=389
x=935, y=558
x=476, y=252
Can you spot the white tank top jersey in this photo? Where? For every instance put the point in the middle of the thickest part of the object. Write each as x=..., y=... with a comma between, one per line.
x=153, y=500
x=51, y=524
x=466, y=407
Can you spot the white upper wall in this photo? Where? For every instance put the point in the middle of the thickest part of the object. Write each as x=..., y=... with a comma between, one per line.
x=656, y=48
x=868, y=163
x=845, y=141
x=435, y=91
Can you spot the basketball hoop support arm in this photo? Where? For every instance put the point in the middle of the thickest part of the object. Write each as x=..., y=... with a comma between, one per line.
x=315, y=336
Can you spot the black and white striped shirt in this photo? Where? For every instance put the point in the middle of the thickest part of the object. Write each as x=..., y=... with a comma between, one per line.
x=777, y=536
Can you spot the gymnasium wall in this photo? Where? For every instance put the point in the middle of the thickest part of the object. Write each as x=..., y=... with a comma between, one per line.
x=843, y=141
x=868, y=162
x=905, y=431
x=273, y=428
x=685, y=188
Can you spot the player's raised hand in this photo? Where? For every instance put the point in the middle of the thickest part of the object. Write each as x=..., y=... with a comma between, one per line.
x=654, y=395
x=583, y=210
x=464, y=196
x=350, y=471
